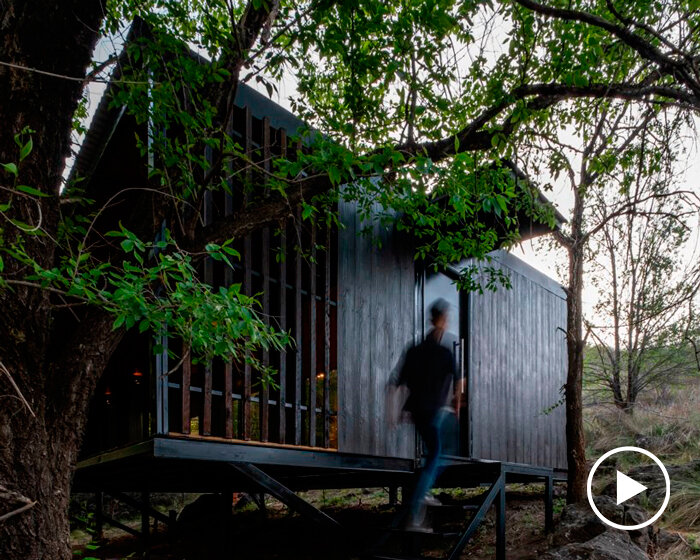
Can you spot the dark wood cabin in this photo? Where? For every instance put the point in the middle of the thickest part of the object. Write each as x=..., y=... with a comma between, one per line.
x=352, y=310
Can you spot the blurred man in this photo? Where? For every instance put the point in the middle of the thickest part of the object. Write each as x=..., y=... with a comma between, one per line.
x=428, y=372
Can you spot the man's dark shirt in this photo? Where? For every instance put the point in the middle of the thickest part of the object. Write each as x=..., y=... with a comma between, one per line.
x=427, y=371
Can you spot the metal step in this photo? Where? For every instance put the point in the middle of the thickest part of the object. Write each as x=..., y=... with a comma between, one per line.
x=408, y=531
x=385, y=557
x=465, y=507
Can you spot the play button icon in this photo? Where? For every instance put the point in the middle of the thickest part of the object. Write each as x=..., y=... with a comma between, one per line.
x=626, y=488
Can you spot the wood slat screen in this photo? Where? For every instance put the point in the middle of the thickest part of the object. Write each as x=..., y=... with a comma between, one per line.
x=292, y=272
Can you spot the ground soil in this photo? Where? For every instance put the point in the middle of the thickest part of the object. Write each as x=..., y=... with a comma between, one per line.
x=279, y=534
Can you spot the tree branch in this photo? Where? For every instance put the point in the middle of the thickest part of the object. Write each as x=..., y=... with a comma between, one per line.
x=665, y=63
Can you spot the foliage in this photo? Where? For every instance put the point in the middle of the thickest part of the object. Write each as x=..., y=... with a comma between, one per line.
x=416, y=110
x=457, y=207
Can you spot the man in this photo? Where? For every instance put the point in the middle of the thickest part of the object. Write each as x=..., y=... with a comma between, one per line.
x=427, y=372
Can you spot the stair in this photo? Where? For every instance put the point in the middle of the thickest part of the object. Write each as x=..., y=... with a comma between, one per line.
x=401, y=558
x=413, y=541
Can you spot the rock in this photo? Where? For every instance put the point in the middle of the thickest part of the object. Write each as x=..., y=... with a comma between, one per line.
x=666, y=540
x=200, y=528
x=203, y=516
x=610, y=545
x=578, y=524
x=627, y=514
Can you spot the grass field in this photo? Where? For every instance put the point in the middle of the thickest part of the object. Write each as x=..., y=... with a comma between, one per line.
x=667, y=424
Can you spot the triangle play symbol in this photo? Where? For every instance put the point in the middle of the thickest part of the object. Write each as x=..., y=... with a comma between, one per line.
x=627, y=488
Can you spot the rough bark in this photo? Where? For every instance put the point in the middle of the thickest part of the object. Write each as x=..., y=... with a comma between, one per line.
x=37, y=453
x=575, y=448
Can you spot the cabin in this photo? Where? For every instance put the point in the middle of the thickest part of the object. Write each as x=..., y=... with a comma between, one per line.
x=352, y=309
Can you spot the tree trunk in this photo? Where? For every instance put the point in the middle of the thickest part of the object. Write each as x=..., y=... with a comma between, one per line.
x=38, y=453
x=40, y=469
x=575, y=439
x=50, y=364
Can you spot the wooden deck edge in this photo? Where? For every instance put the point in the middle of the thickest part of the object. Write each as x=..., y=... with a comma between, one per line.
x=141, y=448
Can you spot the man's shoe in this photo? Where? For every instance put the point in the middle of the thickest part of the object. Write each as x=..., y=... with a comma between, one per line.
x=432, y=501
x=413, y=527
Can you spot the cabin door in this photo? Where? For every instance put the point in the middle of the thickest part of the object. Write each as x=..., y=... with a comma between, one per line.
x=442, y=285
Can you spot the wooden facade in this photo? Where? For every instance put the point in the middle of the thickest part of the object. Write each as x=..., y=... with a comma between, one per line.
x=353, y=307
x=377, y=321
x=516, y=368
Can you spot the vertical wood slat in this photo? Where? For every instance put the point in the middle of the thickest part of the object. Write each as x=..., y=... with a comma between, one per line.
x=228, y=400
x=282, y=408
x=265, y=393
x=209, y=280
x=312, y=341
x=247, y=276
x=267, y=153
x=162, y=368
x=206, y=420
x=298, y=331
x=327, y=341
x=228, y=198
x=186, y=376
x=228, y=280
x=247, y=289
x=265, y=396
x=299, y=340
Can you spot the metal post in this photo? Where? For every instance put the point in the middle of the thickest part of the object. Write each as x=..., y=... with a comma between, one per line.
x=145, y=524
x=172, y=523
x=227, y=524
x=548, y=504
x=99, y=513
x=501, y=524
x=393, y=498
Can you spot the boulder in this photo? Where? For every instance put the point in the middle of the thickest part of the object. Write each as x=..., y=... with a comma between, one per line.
x=610, y=545
x=627, y=514
x=577, y=524
x=580, y=535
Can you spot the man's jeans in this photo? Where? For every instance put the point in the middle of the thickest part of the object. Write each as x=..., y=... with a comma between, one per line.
x=430, y=431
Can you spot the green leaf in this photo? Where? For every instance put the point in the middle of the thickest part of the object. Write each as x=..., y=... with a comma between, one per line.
x=31, y=190
x=334, y=175
x=26, y=150
x=307, y=211
x=10, y=168
x=2, y=265
x=127, y=245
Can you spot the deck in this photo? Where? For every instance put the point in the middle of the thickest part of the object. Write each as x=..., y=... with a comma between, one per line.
x=178, y=464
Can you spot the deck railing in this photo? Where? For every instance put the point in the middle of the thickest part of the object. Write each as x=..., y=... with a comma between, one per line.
x=292, y=271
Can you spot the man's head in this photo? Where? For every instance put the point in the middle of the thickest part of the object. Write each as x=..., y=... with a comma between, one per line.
x=439, y=313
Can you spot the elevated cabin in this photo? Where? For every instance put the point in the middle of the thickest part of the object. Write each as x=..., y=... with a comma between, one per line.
x=352, y=309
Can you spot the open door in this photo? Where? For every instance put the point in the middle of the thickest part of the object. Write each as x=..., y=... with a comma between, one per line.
x=442, y=285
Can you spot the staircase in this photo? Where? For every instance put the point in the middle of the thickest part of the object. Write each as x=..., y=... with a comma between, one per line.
x=412, y=541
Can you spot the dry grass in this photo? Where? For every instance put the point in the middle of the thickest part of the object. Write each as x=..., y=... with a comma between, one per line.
x=684, y=506
x=671, y=430
x=679, y=552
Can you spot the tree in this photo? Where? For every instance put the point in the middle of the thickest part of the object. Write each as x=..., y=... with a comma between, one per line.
x=404, y=91
x=647, y=284
x=619, y=165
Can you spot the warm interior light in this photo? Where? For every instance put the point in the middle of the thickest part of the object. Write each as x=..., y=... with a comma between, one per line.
x=320, y=375
x=137, y=375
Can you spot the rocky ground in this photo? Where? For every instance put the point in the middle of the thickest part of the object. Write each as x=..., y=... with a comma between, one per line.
x=277, y=534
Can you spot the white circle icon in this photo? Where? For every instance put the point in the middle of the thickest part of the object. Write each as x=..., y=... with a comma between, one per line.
x=627, y=488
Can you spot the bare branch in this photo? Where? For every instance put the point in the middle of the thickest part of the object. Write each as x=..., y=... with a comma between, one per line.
x=17, y=390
